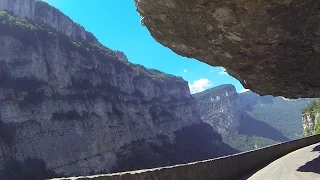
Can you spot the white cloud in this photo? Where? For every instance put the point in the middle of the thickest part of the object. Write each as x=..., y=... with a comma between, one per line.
x=199, y=85
x=212, y=71
x=185, y=70
x=223, y=71
x=244, y=90
x=286, y=99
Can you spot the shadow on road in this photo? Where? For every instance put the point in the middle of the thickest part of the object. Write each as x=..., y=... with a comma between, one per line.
x=317, y=148
x=312, y=166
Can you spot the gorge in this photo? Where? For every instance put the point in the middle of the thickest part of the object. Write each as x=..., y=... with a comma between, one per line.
x=248, y=121
x=74, y=107
x=70, y=106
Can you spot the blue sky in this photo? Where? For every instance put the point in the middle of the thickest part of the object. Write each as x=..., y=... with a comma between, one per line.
x=116, y=24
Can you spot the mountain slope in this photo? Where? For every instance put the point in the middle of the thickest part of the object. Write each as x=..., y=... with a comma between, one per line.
x=220, y=107
x=280, y=113
x=69, y=106
x=247, y=120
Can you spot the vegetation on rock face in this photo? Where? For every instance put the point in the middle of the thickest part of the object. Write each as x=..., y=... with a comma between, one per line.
x=317, y=127
x=312, y=110
x=244, y=142
x=308, y=131
x=313, y=107
x=3, y=13
x=154, y=74
x=7, y=18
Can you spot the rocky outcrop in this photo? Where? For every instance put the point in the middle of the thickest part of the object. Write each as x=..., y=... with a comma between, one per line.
x=310, y=118
x=309, y=121
x=220, y=107
x=70, y=106
x=271, y=47
x=40, y=11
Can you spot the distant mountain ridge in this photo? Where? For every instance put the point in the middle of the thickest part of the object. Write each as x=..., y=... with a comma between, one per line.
x=247, y=120
x=220, y=107
x=280, y=113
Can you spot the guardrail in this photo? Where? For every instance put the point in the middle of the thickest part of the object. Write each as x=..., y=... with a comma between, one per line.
x=228, y=167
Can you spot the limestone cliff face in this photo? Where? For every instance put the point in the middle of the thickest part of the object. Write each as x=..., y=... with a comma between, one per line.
x=41, y=12
x=220, y=107
x=74, y=105
x=309, y=121
x=310, y=118
x=80, y=108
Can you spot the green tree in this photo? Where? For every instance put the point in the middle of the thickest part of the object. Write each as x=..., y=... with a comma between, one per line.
x=317, y=127
x=308, y=132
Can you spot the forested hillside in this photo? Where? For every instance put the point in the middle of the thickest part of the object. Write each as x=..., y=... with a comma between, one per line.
x=247, y=121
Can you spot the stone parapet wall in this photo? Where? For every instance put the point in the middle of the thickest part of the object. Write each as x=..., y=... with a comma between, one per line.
x=229, y=167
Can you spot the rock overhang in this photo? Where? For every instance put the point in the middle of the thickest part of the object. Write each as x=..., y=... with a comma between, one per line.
x=271, y=46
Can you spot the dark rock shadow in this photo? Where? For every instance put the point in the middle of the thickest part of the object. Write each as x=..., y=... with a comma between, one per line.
x=312, y=166
x=317, y=148
x=192, y=143
x=250, y=126
x=29, y=169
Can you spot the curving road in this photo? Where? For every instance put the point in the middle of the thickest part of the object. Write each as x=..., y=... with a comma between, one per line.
x=303, y=164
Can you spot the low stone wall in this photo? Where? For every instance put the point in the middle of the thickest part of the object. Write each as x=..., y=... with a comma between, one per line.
x=229, y=167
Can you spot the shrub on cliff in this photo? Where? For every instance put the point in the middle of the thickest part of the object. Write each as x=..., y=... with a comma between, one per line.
x=317, y=127
x=312, y=107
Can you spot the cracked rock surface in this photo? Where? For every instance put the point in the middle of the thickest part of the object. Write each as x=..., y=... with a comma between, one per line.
x=271, y=46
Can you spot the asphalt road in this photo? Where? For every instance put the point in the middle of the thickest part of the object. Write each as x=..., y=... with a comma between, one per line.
x=303, y=164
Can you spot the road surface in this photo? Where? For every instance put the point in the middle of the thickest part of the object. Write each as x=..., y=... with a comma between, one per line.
x=303, y=164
